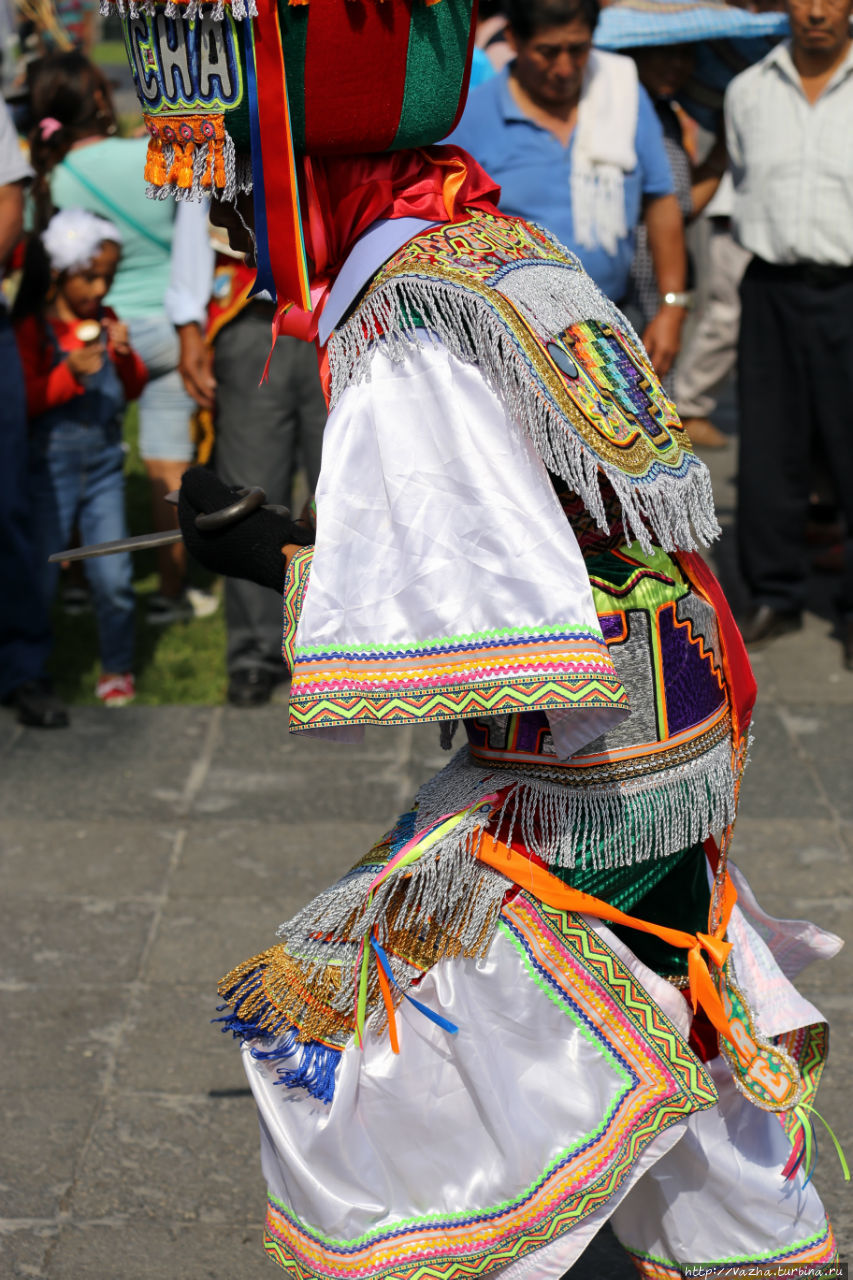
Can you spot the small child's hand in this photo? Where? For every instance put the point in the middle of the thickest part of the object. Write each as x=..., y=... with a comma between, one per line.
x=117, y=336
x=85, y=361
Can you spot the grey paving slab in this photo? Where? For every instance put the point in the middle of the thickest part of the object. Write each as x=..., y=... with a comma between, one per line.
x=108, y=859
x=66, y=941
x=124, y=766
x=23, y=1249
x=358, y=790
x=255, y=859
x=201, y=939
x=43, y=1133
x=59, y=1037
x=794, y=865
x=171, y=1044
x=182, y=1157
x=142, y=1250
x=778, y=782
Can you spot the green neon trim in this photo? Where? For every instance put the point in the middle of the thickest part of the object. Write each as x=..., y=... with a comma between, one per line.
x=472, y=637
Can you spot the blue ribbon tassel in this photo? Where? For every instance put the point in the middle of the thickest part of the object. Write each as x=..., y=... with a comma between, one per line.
x=444, y=1023
x=264, y=277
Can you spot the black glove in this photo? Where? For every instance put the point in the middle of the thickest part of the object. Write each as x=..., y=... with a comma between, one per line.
x=249, y=548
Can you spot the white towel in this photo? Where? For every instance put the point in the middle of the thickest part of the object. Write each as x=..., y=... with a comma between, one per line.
x=604, y=150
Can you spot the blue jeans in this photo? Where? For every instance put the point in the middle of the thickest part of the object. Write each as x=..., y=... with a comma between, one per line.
x=25, y=638
x=77, y=475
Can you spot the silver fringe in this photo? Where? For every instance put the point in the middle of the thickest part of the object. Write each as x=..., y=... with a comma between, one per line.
x=447, y=886
x=210, y=8
x=674, y=508
x=653, y=816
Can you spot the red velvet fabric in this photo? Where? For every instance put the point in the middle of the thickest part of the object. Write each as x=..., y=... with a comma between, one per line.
x=344, y=195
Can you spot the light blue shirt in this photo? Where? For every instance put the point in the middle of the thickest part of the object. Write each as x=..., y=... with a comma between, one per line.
x=534, y=168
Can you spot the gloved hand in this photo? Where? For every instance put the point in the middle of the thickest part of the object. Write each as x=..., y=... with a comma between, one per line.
x=249, y=548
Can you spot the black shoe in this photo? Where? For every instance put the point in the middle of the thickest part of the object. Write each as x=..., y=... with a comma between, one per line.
x=766, y=624
x=37, y=705
x=847, y=642
x=251, y=687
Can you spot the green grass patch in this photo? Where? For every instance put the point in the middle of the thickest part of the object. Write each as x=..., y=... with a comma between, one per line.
x=109, y=53
x=183, y=663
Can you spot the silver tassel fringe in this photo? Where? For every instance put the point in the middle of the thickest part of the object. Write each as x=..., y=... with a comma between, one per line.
x=675, y=508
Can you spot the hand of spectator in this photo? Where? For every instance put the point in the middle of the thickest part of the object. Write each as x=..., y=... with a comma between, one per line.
x=251, y=548
x=84, y=361
x=196, y=366
x=662, y=338
x=118, y=337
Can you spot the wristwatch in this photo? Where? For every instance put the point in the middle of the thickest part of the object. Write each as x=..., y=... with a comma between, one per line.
x=682, y=299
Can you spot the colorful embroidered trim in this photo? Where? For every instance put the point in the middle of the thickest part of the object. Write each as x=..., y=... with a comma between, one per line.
x=820, y=1248
x=503, y=294
x=490, y=673
x=295, y=585
x=664, y=1083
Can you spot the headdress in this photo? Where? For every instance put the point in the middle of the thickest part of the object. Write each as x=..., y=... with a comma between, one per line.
x=235, y=93
x=73, y=236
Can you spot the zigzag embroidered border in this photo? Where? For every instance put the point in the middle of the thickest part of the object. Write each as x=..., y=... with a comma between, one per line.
x=487, y=697
x=295, y=585
x=819, y=1249
x=586, y=976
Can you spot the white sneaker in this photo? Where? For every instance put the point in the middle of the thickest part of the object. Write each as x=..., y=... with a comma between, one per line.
x=203, y=603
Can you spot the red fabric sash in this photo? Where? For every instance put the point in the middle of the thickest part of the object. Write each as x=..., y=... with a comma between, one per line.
x=738, y=669
x=344, y=195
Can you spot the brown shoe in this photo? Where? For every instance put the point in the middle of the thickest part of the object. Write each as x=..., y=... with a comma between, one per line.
x=703, y=434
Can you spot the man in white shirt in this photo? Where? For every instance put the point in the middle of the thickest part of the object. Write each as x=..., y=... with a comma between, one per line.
x=789, y=124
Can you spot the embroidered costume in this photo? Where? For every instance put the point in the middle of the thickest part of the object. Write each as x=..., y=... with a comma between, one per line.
x=545, y=999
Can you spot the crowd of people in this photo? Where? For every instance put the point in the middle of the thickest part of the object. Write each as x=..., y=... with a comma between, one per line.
x=120, y=298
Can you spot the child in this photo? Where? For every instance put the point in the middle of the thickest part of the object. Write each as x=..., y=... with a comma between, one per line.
x=80, y=373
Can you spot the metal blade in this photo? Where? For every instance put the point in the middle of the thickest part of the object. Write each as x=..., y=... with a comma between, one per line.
x=140, y=543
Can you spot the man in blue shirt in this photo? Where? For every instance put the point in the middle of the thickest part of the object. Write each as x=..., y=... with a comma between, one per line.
x=573, y=139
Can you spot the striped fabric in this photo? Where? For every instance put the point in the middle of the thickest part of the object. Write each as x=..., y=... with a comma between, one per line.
x=374, y=77
x=632, y=24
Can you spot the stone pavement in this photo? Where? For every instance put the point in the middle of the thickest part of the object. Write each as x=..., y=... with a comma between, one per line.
x=145, y=851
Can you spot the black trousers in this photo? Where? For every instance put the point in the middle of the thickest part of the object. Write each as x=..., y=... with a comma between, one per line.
x=263, y=434
x=795, y=373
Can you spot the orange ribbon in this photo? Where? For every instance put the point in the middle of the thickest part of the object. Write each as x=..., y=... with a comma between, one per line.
x=562, y=897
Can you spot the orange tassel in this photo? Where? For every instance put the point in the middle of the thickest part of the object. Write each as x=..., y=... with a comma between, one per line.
x=385, y=988
x=155, y=163
x=184, y=164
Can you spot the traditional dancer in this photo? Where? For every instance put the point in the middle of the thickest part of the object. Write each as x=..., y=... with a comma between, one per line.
x=545, y=999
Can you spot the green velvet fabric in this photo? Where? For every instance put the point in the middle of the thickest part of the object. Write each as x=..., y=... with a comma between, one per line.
x=435, y=70
x=670, y=891
x=293, y=20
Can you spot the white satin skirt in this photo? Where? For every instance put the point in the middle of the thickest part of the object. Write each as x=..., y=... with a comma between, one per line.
x=568, y=1096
